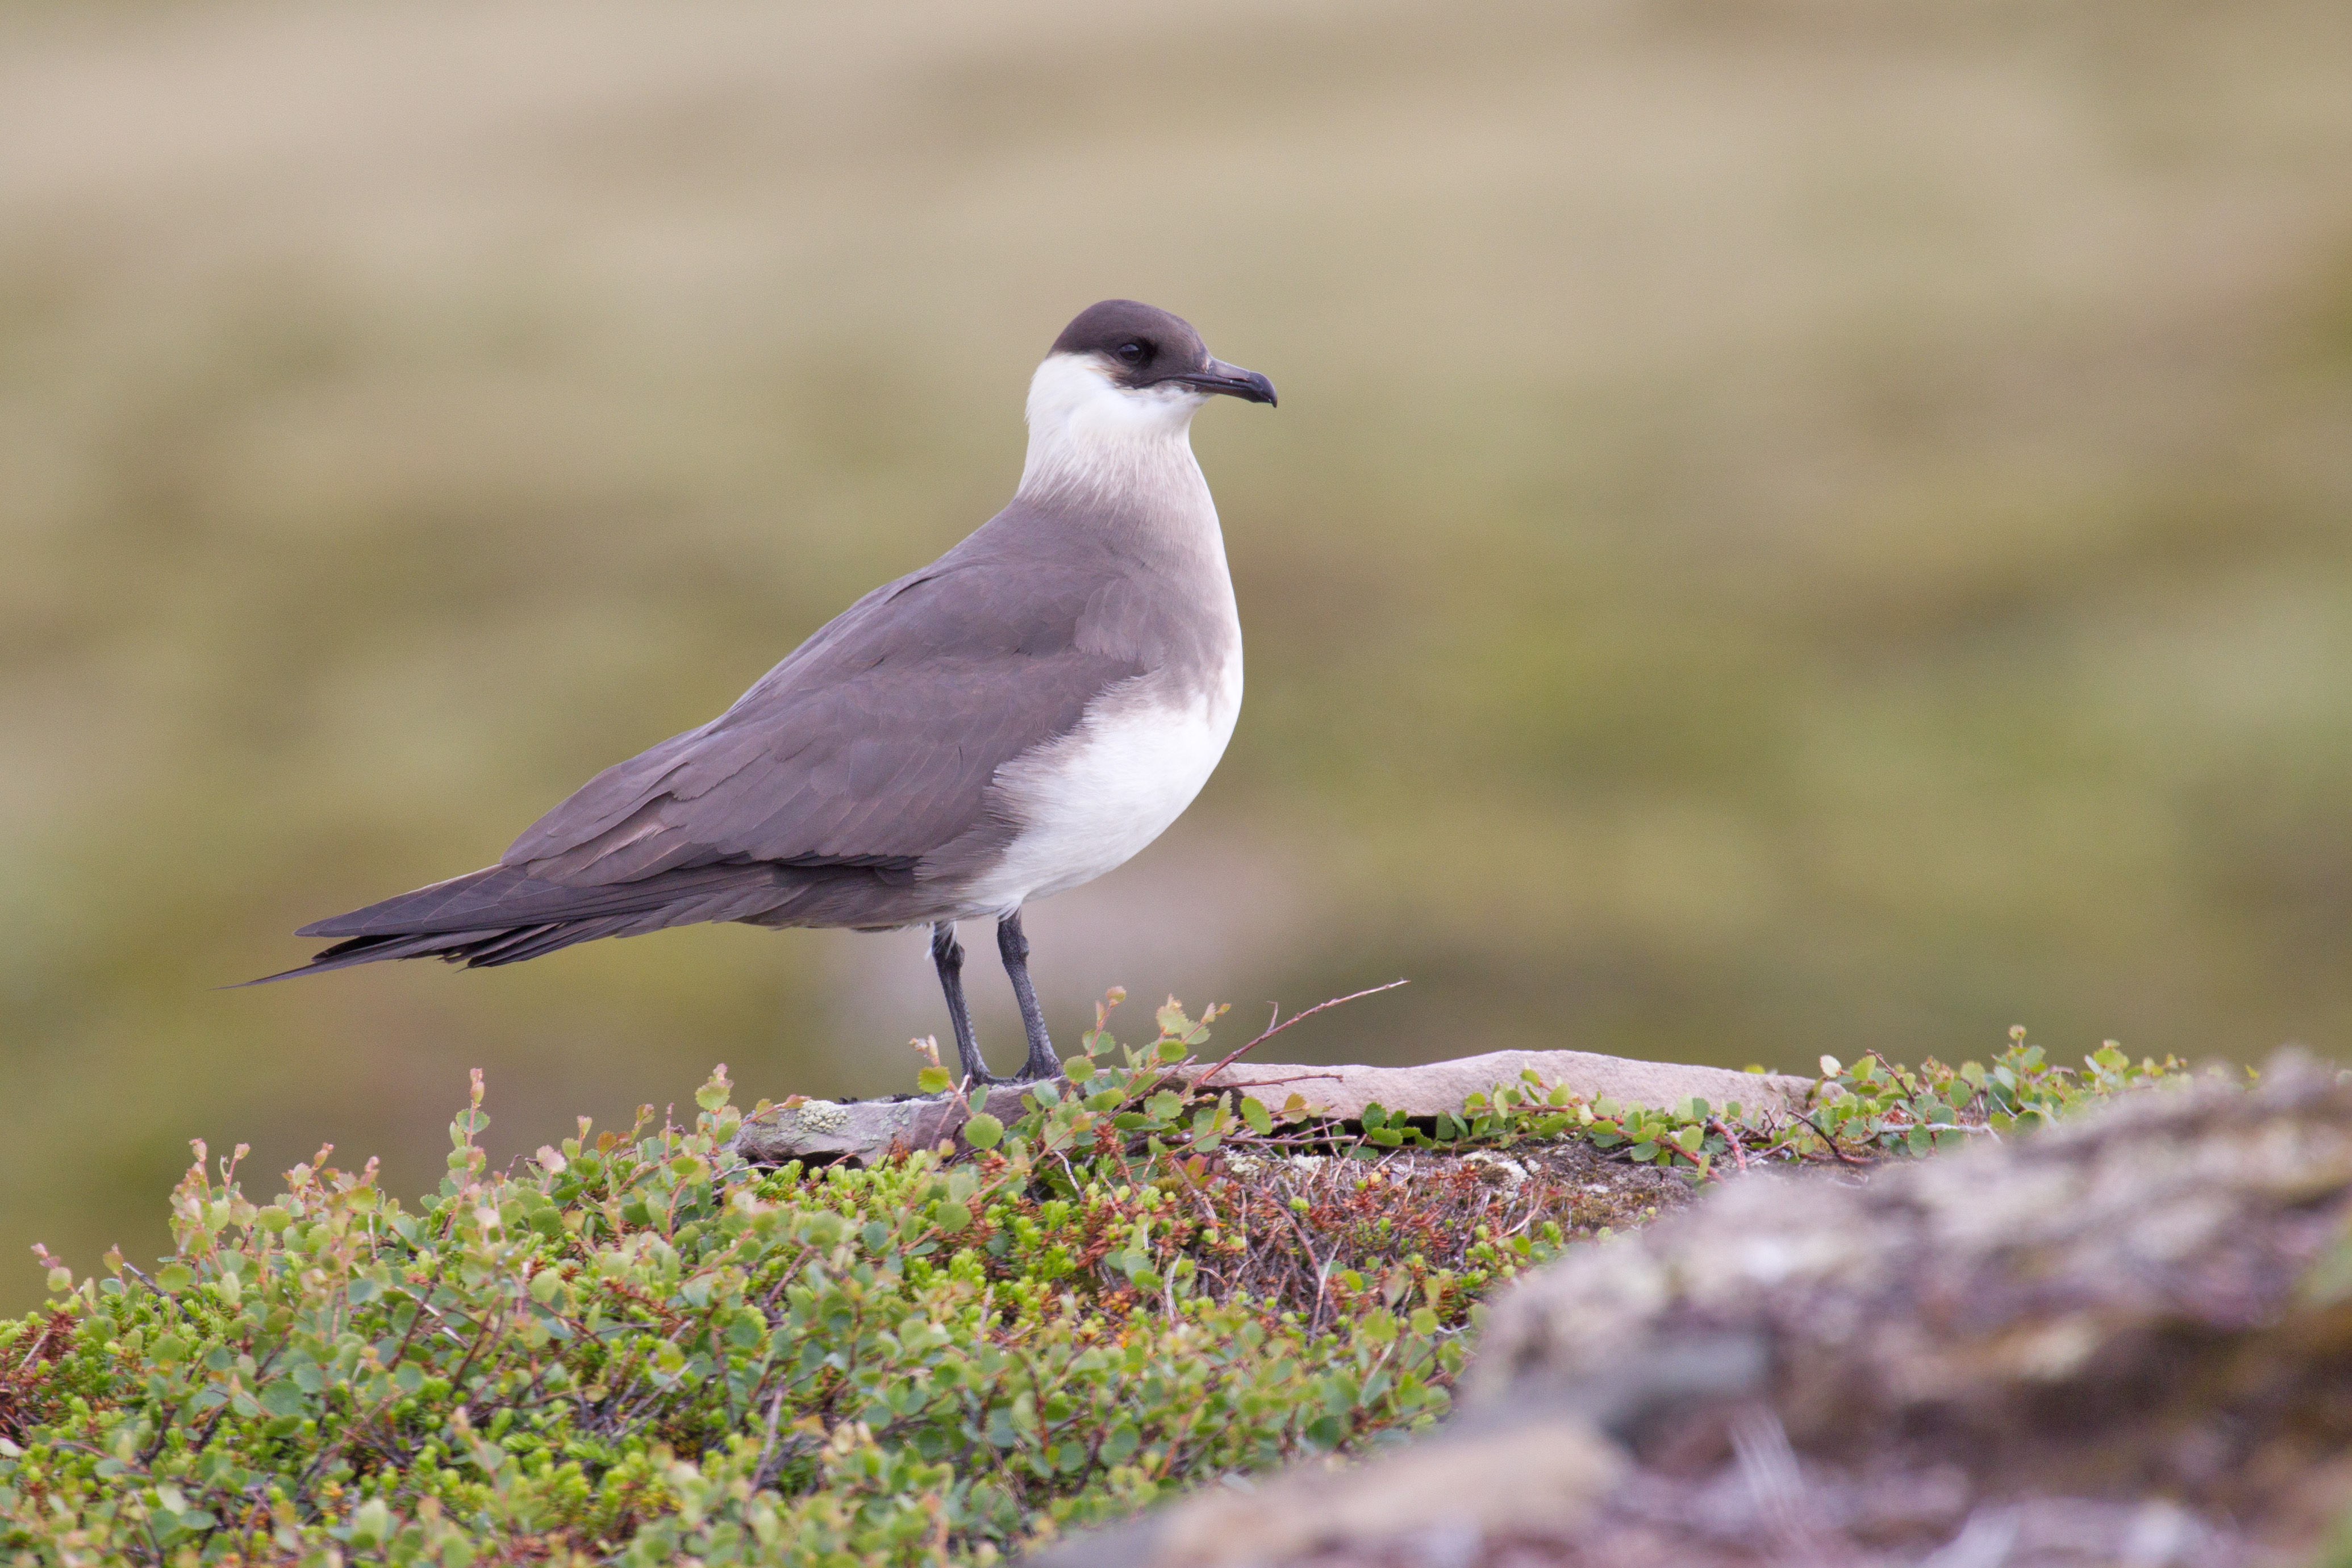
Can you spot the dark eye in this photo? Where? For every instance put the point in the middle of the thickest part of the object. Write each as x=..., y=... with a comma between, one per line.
x=1134, y=354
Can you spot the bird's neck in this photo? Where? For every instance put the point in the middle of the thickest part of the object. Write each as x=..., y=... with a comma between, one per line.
x=1116, y=452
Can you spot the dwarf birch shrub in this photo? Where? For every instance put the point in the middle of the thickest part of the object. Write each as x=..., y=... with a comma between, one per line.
x=634, y=1347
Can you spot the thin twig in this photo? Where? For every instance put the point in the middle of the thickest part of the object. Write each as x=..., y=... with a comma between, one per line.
x=1739, y=1154
x=1293, y=1077
x=1322, y=1267
x=1843, y=1158
x=1274, y=1029
x=762, y=1476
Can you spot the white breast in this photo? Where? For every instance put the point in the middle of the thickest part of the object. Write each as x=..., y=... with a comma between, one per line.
x=1089, y=801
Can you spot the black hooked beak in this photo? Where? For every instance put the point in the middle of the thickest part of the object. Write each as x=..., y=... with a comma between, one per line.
x=1233, y=381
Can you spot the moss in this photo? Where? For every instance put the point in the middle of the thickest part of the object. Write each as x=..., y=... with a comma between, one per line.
x=636, y=1345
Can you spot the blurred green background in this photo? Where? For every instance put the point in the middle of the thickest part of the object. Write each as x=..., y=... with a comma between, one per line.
x=1792, y=527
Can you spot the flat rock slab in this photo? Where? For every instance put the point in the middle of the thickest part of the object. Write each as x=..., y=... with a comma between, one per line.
x=864, y=1131
x=1342, y=1092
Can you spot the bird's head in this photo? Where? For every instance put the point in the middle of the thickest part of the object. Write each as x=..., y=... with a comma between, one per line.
x=1125, y=373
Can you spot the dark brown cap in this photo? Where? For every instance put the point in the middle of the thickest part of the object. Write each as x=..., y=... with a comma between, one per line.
x=1141, y=345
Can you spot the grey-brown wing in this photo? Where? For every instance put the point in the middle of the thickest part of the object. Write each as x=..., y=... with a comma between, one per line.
x=873, y=743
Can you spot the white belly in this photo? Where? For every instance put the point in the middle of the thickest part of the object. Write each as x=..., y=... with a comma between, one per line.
x=1094, y=798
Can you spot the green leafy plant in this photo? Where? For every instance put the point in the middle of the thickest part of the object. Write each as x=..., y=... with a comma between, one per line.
x=634, y=1346
x=1873, y=1110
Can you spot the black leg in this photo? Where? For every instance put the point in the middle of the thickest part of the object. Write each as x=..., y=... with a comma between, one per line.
x=947, y=956
x=1014, y=947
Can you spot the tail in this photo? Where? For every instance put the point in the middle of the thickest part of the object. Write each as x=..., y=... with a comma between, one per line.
x=501, y=914
x=474, y=948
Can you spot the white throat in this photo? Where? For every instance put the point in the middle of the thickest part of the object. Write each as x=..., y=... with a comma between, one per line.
x=1091, y=438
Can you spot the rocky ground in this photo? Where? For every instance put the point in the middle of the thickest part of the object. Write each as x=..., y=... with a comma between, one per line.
x=2128, y=1339
x=863, y=1131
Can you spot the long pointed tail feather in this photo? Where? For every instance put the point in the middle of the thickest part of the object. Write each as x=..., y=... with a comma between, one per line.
x=502, y=915
x=474, y=948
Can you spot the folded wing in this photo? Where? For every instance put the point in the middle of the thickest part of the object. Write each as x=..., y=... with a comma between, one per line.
x=851, y=775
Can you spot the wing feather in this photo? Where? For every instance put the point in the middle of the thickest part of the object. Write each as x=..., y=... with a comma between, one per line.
x=847, y=775
x=879, y=737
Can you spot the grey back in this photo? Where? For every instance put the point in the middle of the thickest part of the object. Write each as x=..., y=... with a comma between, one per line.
x=853, y=784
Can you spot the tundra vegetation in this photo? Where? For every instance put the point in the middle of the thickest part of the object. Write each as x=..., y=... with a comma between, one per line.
x=1791, y=525
x=637, y=1347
